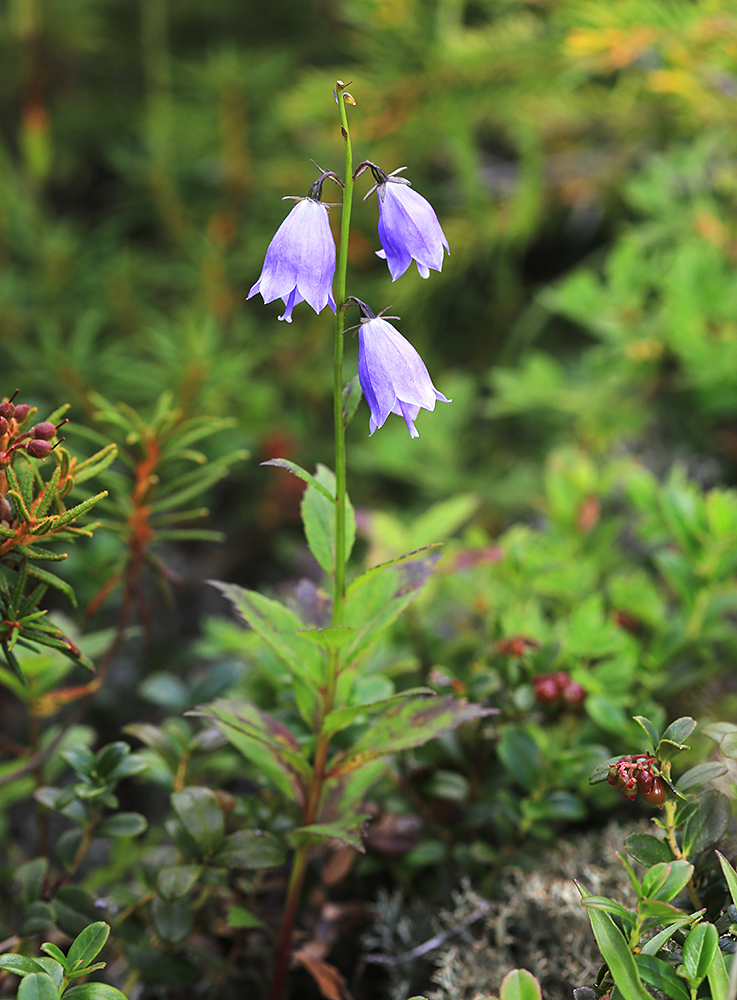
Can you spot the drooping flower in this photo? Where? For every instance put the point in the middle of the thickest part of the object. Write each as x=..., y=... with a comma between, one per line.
x=300, y=260
x=408, y=226
x=392, y=374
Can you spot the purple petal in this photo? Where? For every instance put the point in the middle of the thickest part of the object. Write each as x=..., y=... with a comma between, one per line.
x=409, y=230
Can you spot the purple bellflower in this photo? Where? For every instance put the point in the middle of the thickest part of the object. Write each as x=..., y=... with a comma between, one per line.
x=392, y=374
x=300, y=260
x=408, y=226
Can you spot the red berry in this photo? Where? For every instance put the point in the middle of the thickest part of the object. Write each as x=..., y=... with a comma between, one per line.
x=547, y=691
x=657, y=794
x=574, y=694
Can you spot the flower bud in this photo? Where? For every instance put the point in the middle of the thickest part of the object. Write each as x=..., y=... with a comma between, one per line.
x=3, y=426
x=38, y=448
x=6, y=511
x=45, y=430
x=546, y=689
x=21, y=412
x=7, y=410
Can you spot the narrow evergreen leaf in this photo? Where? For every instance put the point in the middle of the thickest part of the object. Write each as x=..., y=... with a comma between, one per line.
x=303, y=474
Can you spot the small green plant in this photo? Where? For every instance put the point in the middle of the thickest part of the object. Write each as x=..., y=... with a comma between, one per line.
x=53, y=974
x=677, y=937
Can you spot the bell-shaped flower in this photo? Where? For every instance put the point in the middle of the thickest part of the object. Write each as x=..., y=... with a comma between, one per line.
x=408, y=226
x=392, y=374
x=300, y=260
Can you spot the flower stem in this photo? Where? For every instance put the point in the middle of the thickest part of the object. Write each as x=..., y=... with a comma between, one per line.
x=340, y=289
x=310, y=813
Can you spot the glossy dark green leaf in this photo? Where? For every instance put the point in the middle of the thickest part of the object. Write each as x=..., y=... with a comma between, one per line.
x=75, y=909
x=665, y=880
x=87, y=945
x=657, y=973
x=706, y=826
x=650, y=730
x=173, y=919
x=201, y=815
x=698, y=952
x=175, y=881
x=36, y=918
x=521, y=757
x=250, y=849
x=37, y=986
x=19, y=964
x=122, y=824
x=700, y=775
x=30, y=879
x=93, y=991
x=648, y=850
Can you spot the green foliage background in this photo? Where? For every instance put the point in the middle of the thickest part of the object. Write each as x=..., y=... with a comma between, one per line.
x=578, y=153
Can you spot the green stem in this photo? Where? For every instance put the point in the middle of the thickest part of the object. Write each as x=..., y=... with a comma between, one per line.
x=340, y=288
x=311, y=809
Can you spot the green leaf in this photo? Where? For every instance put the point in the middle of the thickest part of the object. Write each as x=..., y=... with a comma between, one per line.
x=37, y=917
x=94, y=465
x=56, y=953
x=646, y=849
x=331, y=638
x=728, y=745
x=650, y=730
x=238, y=916
x=707, y=824
x=373, y=571
x=318, y=516
x=174, y=881
x=655, y=943
x=279, y=627
x=655, y=972
x=38, y=986
x=201, y=815
x=607, y=906
x=671, y=742
x=718, y=977
x=307, y=477
x=341, y=718
x=20, y=965
x=520, y=755
x=352, y=396
x=700, y=775
x=698, y=952
x=601, y=771
x=265, y=741
x=665, y=880
x=730, y=875
x=74, y=908
x=250, y=849
x=30, y=878
x=348, y=833
x=123, y=824
x=617, y=955
x=88, y=945
x=408, y=724
x=93, y=991
x=173, y=919
x=519, y=984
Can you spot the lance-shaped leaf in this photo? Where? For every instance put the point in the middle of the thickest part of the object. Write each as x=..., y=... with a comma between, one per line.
x=347, y=832
x=341, y=718
x=615, y=953
x=407, y=724
x=265, y=741
x=318, y=517
x=303, y=474
x=279, y=627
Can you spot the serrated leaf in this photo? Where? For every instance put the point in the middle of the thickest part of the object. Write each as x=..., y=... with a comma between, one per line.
x=265, y=741
x=408, y=724
x=348, y=834
x=331, y=638
x=341, y=718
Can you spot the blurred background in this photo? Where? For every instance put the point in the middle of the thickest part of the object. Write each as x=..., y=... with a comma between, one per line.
x=579, y=154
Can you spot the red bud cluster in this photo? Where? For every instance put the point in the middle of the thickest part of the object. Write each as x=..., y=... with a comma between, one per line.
x=36, y=442
x=639, y=773
x=553, y=690
x=516, y=645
